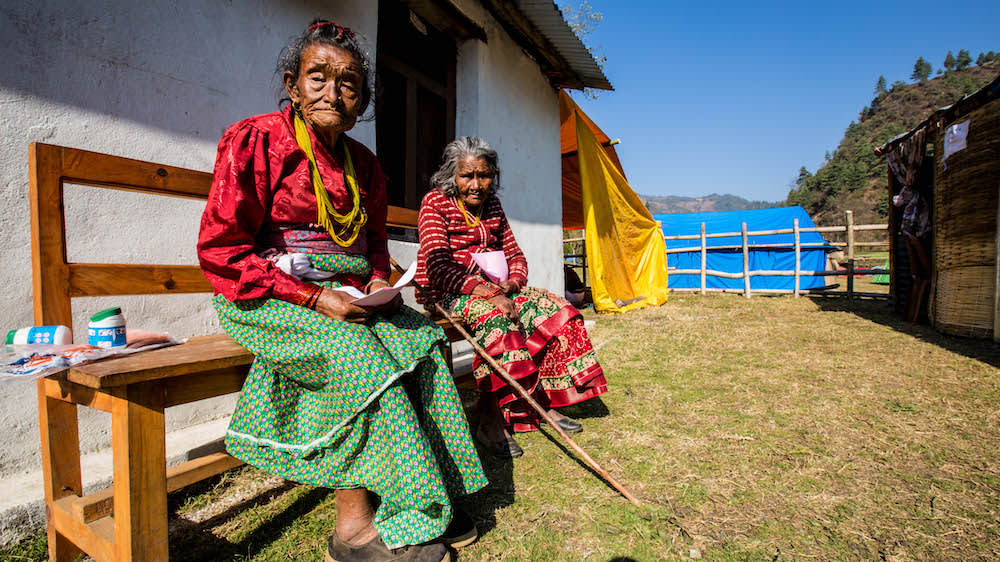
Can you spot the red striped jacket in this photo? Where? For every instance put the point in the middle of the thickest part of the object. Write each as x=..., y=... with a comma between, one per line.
x=447, y=242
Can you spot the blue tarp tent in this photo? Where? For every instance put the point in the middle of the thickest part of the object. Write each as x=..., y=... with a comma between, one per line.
x=731, y=260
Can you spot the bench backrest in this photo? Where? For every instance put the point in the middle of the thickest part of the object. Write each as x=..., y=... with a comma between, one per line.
x=55, y=280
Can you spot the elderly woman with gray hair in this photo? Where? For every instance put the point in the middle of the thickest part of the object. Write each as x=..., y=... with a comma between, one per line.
x=538, y=337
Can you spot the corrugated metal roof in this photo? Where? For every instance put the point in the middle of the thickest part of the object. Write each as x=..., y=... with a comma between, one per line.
x=546, y=17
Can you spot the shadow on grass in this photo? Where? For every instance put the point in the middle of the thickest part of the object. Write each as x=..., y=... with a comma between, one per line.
x=196, y=542
x=593, y=408
x=879, y=312
x=554, y=438
x=499, y=493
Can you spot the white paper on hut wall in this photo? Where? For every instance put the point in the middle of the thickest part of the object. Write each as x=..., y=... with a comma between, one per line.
x=955, y=138
x=383, y=295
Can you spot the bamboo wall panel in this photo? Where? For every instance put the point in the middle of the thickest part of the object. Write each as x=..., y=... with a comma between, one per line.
x=964, y=298
x=965, y=226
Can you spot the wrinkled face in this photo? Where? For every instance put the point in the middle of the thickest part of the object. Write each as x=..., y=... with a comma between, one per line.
x=328, y=89
x=475, y=181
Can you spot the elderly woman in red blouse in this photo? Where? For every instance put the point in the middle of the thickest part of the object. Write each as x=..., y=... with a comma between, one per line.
x=538, y=337
x=339, y=395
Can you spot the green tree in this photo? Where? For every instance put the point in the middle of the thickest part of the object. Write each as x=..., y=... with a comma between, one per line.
x=963, y=60
x=880, y=85
x=991, y=56
x=801, y=193
x=804, y=176
x=949, y=61
x=980, y=59
x=921, y=70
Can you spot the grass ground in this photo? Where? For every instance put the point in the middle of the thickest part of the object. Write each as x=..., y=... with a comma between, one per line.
x=771, y=428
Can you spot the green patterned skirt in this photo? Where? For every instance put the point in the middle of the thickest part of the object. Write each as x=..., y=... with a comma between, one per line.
x=345, y=405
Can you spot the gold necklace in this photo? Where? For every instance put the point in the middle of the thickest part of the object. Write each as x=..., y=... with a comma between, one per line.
x=465, y=214
x=350, y=223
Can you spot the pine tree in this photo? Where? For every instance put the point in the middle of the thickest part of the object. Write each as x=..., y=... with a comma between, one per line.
x=980, y=59
x=964, y=59
x=991, y=56
x=949, y=61
x=804, y=176
x=880, y=85
x=921, y=70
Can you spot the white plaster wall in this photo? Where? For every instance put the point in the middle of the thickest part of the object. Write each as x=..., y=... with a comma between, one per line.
x=503, y=97
x=149, y=80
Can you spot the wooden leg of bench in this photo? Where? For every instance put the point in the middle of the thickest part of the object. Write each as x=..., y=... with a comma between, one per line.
x=57, y=425
x=140, y=474
x=448, y=358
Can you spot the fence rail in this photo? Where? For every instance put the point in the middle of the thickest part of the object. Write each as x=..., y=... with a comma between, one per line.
x=849, y=229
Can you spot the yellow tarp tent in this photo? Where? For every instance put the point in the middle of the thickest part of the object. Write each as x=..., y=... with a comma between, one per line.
x=625, y=249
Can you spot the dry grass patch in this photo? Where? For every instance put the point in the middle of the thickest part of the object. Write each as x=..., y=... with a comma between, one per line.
x=769, y=428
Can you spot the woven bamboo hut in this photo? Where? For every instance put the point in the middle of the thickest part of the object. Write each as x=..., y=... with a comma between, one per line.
x=944, y=182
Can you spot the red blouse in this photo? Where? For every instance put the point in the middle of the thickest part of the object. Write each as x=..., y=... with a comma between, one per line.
x=260, y=185
x=447, y=242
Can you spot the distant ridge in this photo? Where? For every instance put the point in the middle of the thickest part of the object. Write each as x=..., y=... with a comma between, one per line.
x=709, y=203
x=853, y=177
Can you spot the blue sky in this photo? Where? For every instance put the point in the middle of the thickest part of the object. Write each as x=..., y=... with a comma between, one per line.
x=733, y=97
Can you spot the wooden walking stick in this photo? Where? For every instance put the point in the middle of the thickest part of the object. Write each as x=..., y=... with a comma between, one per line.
x=524, y=394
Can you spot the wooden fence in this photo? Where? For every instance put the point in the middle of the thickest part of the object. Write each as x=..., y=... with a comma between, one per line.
x=850, y=229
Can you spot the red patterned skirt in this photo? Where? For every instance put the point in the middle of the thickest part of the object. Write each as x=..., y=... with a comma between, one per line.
x=548, y=353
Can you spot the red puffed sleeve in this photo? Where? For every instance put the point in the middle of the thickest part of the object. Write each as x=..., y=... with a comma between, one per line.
x=377, y=207
x=237, y=207
x=443, y=271
x=517, y=264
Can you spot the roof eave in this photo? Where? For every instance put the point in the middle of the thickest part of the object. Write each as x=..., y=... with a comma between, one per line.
x=539, y=28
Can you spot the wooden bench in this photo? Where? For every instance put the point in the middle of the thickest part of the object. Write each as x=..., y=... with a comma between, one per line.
x=129, y=520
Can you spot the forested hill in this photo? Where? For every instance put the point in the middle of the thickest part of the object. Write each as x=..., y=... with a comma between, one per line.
x=709, y=203
x=853, y=177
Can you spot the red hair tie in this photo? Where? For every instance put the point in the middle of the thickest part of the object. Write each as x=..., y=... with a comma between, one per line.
x=342, y=31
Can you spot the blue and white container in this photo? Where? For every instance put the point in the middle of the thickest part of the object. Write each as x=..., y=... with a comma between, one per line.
x=55, y=335
x=107, y=328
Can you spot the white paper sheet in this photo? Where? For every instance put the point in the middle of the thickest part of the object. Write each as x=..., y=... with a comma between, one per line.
x=383, y=295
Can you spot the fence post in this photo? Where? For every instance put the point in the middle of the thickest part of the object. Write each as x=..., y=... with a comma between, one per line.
x=850, y=254
x=850, y=279
x=850, y=234
x=746, y=261
x=704, y=259
x=798, y=249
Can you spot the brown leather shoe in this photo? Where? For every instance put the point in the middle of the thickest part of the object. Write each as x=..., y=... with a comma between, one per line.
x=376, y=551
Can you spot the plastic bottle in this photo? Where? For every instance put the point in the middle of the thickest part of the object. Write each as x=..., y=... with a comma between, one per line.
x=56, y=335
x=107, y=328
